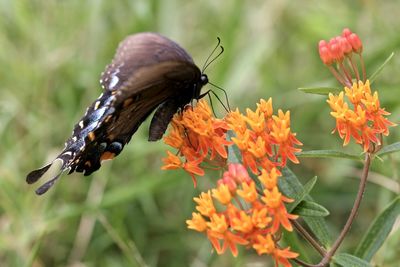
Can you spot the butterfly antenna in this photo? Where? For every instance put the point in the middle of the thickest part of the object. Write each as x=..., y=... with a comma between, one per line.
x=226, y=96
x=211, y=61
x=211, y=103
x=209, y=56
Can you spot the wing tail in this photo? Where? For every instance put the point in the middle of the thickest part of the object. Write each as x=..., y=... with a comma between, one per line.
x=35, y=175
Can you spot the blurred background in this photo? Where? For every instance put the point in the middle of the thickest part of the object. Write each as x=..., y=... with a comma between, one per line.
x=130, y=213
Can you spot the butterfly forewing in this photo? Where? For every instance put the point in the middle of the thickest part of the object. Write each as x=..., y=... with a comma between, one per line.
x=137, y=51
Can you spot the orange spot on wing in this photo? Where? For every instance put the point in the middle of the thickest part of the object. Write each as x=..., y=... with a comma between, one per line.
x=91, y=136
x=107, y=155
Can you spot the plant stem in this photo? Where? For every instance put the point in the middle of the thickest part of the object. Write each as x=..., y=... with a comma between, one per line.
x=302, y=263
x=304, y=233
x=353, y=213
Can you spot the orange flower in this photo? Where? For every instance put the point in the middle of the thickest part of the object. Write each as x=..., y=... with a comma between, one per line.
x=260, y=218
x=222, y=194
x=197, y=222
x=265, y=107
x=266, y=131
x=266, y=245
x=218, y=223
x=205, y=204
x=269, y=179
x=197, y=135
x=172, y=162
x=256, y=120
x=242, y=224
x=248, y=192
x=274, y=201
x=366, y=121
x=284, y=138
x=265, y=141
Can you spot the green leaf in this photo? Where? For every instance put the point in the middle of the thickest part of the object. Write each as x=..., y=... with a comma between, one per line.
x=320, y=90
x=378, y=231
x=310, y=209
x=345, y=260
x=290, y=185
x=327, y=154
x=381, y=67
x=306, y=190
x=395, y=147
x=234, y=154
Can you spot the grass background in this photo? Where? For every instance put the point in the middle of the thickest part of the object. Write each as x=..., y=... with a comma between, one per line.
x=130, y=213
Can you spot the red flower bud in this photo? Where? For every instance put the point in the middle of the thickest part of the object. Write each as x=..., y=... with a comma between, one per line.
x=324, y=53
x=346, y=32
x=336, y=50
x=355, y=42
x=345, y=45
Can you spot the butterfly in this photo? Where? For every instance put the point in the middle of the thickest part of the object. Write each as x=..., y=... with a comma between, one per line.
x=148, y=72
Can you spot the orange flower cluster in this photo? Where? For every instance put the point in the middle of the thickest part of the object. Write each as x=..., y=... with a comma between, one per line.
x=365, y=121
x=196, y=134
x=254, y=221
x=264, y=140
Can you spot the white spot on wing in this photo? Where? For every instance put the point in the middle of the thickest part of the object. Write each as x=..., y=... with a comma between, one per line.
x=114, y=81
x=96, y=105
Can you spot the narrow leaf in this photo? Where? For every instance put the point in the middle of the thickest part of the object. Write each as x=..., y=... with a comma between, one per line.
x=395, y=147
x=234, y=154
x=378, y=231
x=381, y=67
x=320, y=90
x=345, y=260
x=327, y=154
x=310, y=209
x=306, y=190
x=291, y=186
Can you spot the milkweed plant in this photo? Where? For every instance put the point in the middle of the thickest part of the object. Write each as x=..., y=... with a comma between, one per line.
x=256, y=199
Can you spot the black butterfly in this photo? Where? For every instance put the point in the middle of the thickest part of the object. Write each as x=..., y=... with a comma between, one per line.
x=148, y=72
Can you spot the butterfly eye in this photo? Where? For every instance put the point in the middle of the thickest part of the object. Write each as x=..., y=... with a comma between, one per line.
x=203, y=79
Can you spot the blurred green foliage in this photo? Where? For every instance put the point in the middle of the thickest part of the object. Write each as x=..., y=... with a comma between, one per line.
x=130, y=213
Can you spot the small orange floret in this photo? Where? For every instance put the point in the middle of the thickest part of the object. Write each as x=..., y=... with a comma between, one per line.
x=197, y=222
x=222, y=194
x=248, y=192
x=205, y=204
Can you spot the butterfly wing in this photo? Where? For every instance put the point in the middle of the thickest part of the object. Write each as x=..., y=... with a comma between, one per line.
x=147, y=70
x=137, y=51
x=114, y=117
